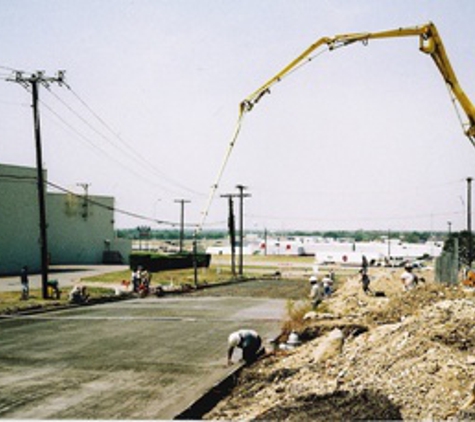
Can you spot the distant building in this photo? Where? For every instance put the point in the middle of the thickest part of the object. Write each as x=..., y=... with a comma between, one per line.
x=79, y=231
x=329, y=251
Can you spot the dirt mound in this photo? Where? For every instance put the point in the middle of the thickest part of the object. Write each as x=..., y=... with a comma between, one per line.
x=411, y=357
x=341, y=405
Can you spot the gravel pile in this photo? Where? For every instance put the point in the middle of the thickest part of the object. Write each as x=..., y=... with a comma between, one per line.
x=416, y=361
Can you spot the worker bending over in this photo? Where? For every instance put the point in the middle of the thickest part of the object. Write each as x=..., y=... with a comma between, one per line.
x=249, y=341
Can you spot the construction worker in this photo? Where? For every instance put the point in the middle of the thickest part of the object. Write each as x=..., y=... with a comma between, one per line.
x=365, y=280
x=316, y=291
x=136, y=278
x=407, y=278
x=249, y=341
x=327, y=285
x=25, y=284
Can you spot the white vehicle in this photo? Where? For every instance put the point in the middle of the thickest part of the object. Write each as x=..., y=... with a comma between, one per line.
x=346, y=258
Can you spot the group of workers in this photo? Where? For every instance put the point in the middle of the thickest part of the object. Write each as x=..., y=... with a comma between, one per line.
x=141, y=279
x=79, y=295
x=52, y=286
x=409, y=280
x=321, y=289
x=248, y=340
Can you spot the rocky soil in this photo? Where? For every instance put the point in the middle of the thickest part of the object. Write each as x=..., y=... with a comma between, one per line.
x=405, y=355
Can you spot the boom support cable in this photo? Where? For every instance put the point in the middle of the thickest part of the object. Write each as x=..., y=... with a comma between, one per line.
x=215, y=186
x=244, y=107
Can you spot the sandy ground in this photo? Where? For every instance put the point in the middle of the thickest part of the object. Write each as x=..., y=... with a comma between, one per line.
x=135, y=359
x=405, y=355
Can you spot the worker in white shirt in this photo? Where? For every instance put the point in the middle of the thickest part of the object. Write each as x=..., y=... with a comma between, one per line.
x=249, y=341
x=408, y=279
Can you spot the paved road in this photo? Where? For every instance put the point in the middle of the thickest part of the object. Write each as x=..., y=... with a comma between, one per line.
x=135, y=359
x=66, y=275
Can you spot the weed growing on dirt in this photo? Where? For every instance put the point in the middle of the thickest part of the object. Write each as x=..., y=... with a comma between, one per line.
x=294, y=321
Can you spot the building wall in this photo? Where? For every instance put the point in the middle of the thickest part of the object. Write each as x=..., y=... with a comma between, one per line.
x=19, y=220
x=78, y=231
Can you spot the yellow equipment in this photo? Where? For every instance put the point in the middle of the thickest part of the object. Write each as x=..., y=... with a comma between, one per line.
x=469, y=279
x=429, y=43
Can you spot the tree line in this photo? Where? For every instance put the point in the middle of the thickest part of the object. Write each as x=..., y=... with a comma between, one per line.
x=145, y=232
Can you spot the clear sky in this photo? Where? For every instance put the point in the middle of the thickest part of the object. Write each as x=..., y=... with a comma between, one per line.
x=364, y=137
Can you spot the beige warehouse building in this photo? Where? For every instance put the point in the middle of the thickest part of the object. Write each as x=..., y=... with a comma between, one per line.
x=80, y=230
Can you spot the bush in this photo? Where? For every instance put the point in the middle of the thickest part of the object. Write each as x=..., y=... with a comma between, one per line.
x=157, y=262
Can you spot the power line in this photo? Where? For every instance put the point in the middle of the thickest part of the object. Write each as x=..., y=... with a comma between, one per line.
x=19, y=179
x=103, y=151
x=11, y=69
x=16, y=178
x=130, y=151
x=110, y=208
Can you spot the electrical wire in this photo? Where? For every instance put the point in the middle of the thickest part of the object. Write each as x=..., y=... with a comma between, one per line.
x=130, y=151
x=103, y=151
x=18, y=179
x=31, y=179
x=10, y=69
x=108, y=207
x=98, y=148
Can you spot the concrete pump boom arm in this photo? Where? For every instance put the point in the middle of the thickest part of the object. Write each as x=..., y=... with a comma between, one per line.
x=429, y=43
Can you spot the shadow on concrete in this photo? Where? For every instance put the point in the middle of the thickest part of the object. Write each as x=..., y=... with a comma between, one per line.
x=206, y=402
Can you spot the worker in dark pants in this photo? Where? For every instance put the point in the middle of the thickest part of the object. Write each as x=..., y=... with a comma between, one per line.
x=249, y=341
x=365, y=281
x=25, y=284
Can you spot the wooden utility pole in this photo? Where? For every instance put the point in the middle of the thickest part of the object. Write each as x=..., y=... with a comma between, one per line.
x=242, y=195
x=232, y=231
x=182, y=221
x=33, y=81
x=85, y=204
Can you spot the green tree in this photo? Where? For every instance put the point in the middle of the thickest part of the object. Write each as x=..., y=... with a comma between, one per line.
x=466, y=242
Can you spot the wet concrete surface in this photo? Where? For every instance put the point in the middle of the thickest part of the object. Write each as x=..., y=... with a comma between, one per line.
x=136, y=359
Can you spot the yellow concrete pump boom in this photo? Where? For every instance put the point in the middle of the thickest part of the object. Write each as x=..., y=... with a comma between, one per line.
x=429, y=43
